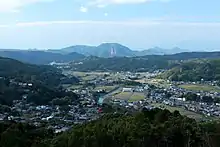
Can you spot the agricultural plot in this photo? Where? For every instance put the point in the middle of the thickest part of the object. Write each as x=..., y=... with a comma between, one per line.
x=130, y=96
x=197, y=87
x=88, y=77
x=124, y=95
x=106, y=88
x=136, y=97
x=74, y=87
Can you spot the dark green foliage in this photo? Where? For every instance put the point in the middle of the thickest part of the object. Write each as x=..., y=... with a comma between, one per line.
x=13, y=69
x=45, y=82
x=42, y=95
x=144, y=63
x=195, y=70
x=121, y=64
x=22, y=135
x=192, y=97
x=150, y=128
x=155, y=128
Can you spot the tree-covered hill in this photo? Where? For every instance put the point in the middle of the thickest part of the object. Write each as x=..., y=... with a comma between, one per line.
x=120, y=64
x=195, y=70
x=45, y=82
x=155, y=128
x=14, y=69
x=144, y=63
x=40, y=57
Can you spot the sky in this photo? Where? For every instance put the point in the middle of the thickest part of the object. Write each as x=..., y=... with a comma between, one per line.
x=138, y=24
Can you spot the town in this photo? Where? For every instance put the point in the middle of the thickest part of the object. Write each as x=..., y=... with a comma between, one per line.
x=131, y=91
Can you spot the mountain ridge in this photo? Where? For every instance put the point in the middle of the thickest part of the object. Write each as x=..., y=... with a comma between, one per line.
x=40, y=57
x=104, y=50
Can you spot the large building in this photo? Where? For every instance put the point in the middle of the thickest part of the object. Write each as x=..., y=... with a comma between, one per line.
x=127, y=90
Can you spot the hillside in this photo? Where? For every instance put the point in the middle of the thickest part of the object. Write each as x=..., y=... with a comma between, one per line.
x=104, y=50
x=11, y=68
x=195, y=70
x=40, y=57
x=120, y=64
x=155, y=128
x=45, y=82
x=160, y=51
x=144, y=63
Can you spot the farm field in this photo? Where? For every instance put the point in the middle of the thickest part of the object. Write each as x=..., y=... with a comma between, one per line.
x=107, y=88
x=154, y=81
x=136, y=97
x=74, y=87
x=197, y=87
x=130, y=96
x=182, y=111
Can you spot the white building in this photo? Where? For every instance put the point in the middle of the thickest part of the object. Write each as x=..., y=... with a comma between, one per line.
x=127, y=90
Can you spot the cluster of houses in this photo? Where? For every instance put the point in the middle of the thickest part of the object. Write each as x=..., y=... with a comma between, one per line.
x=57, y=117
x=177, y=99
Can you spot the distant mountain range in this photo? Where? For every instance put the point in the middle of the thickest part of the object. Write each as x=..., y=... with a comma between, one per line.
x=40, y=57
x=114, y=49
x=78, y=52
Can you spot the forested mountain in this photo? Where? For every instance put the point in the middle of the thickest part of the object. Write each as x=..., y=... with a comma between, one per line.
x=40, y=57
x=121, y=64
x=195, y=70
x=144, y=63
x=155, y=128
x=160, y=51
x=104, y=50
x=14, y=69
x=45, y=82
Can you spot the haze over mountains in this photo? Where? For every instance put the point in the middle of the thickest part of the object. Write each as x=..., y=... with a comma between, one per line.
x=77, y=52
x=105, y=49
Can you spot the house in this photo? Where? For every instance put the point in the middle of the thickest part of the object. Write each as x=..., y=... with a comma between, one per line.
x=127, y=90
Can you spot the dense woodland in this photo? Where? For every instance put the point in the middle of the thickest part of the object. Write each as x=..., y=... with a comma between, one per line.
x=144, y=63
x=46, y=82
x=155, y=128
x=195, y=70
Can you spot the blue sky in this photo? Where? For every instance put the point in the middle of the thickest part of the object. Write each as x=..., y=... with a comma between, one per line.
x=139, y=24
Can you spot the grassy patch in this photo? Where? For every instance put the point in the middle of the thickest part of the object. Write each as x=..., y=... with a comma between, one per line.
x=136, y=97
x=89, y=77
x=74, y=87
x=197, y=87
x=106, y=88
x=79, y=74
x=124, y=95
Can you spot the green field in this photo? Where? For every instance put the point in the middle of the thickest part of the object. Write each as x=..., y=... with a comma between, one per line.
x=130, y=96
x=124, y=95
x=89, y=77
x=136, y=97
x=197, y=87
x=155, y=81
x=106, y=88
x=181, y=110
x=74, y=87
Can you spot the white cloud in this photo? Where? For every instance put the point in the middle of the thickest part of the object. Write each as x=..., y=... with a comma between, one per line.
x=117, y=23
x=16, y=5
x=83, y=9
x=106, y=14
x=103, y=3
